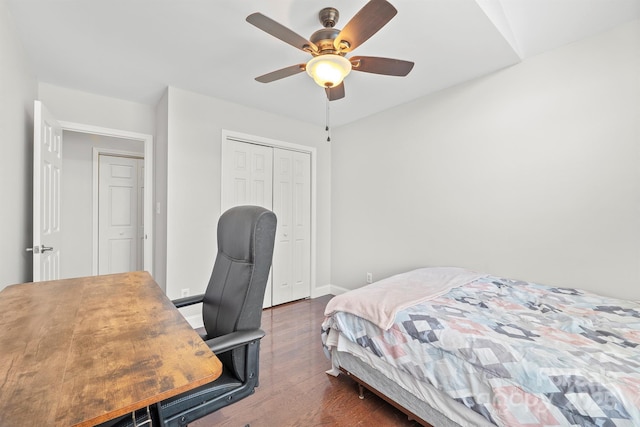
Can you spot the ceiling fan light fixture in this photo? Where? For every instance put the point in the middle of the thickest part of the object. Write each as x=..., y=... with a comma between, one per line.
x=328, y=70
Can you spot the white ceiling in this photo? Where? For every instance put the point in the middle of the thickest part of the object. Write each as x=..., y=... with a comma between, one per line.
x=134, y=49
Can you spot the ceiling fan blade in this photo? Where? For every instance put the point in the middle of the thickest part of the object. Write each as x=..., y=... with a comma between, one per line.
x=281, y=73
x=386, y=66
x=336, y=92
x=373, y=16
x=281, y=32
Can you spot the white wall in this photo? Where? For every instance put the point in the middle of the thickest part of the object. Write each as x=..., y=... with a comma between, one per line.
x=18, y=88
x=77, y=198
x=195, y=123
x=90, y=109
x=532, y=172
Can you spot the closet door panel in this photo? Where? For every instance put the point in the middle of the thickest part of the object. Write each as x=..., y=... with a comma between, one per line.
x=247, y=179
x=247, y=171
x=301, y=222
x=278, y=179
x=283, y=252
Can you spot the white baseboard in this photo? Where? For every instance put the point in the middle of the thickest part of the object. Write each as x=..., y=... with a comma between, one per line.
x=328, y=290
x=321, y=291
x=193, y=314
x=337, y=290
x=195, y=321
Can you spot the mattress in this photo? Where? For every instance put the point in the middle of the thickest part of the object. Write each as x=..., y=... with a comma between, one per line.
x=514, y=353
x=418, y=397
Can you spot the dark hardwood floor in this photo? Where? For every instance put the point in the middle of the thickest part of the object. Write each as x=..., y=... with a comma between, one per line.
x=294, y=388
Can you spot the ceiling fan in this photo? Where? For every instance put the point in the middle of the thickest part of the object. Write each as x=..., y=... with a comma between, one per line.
x=329, y=46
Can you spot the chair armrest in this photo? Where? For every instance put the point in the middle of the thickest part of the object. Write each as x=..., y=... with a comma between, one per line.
x=186, y=301
x=233, y=340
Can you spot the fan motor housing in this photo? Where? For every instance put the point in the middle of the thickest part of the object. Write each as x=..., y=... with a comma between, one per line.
x=324, y=40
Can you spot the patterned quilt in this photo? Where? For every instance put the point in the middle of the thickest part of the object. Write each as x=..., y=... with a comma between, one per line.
x=518, y=353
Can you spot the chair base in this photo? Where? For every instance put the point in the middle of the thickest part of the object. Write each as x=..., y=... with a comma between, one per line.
x=179, y=411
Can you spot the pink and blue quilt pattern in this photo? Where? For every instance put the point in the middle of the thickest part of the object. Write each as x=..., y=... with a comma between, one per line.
x=518, y=353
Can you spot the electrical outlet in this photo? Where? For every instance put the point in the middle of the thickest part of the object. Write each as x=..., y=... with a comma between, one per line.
x=184, y=293
x=369, y=278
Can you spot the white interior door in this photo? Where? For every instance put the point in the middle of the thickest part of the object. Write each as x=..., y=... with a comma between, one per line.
x=140, y=195
x=247, y=175
x=47, y=170
x=301, y=224
x=119, y=231
x=292, y=205
x=247, y=179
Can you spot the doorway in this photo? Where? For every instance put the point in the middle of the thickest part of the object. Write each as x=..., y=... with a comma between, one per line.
x=80, y=248
x=49, y=230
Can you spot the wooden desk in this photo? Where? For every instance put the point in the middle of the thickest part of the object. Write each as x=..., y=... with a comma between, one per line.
x=79, y=352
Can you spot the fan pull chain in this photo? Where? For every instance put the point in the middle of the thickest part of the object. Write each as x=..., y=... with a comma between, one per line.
x=327, y=128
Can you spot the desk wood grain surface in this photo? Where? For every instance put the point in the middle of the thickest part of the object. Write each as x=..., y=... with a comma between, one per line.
x=79, y=352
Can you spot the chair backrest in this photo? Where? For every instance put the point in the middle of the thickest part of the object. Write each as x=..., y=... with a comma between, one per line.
x=233, y=299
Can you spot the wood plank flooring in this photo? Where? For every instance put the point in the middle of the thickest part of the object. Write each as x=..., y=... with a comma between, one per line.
x=294, y=388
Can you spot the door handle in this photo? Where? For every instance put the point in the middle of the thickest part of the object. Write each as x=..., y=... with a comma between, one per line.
x=39, y=249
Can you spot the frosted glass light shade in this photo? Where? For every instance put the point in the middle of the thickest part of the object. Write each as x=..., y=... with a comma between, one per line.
x=328, y=70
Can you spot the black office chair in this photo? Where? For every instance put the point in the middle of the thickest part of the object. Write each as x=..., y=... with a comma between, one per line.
x=232, y=312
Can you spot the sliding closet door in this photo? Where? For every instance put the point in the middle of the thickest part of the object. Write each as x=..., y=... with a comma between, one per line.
x=292, y=205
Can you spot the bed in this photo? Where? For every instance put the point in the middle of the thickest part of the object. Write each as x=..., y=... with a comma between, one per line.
x=452, y=347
